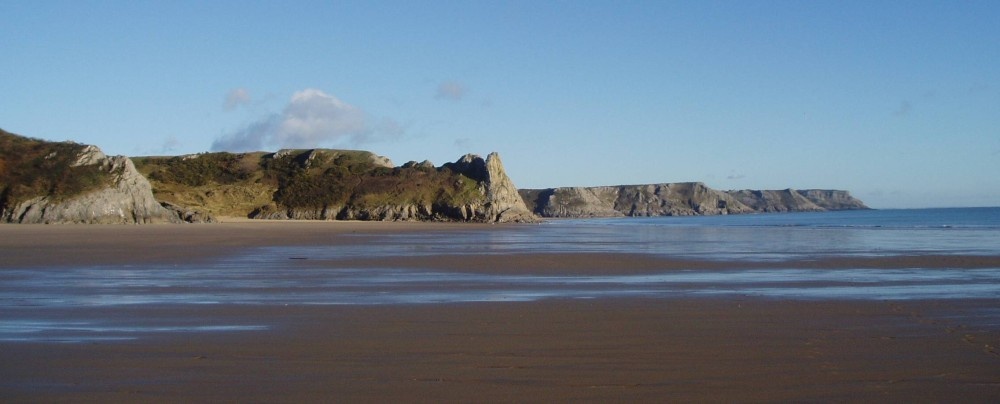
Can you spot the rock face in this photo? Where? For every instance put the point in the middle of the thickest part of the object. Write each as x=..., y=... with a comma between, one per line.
x=189, y=215
x=125, y=198
x=679, y=199
x=831, y=199
x=501, y=201
x=787, y=200
x=790, y=200
x=573, y=201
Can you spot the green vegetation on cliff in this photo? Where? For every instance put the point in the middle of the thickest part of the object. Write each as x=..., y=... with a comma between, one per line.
x=32, y=168
x=311, y=183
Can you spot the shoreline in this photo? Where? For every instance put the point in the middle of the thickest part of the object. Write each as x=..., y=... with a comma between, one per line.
x=32, y=246
x=684, y=348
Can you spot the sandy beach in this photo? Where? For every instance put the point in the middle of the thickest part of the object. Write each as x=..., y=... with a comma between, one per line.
x=727, y=348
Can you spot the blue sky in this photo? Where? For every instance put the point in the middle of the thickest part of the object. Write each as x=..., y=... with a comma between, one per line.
x=896, y=101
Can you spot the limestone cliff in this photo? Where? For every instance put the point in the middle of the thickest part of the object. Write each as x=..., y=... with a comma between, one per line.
x=573, y=201
x=790, y=200
x=831, y=199
x=678, y=199
x=46, y=182
x=787, y=200
x=501, y=201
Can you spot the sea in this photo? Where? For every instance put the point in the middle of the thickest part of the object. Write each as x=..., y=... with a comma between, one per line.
x=757, y=237
x=72, y=304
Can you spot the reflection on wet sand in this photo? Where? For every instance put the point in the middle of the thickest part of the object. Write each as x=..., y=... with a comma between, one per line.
x=271, y=280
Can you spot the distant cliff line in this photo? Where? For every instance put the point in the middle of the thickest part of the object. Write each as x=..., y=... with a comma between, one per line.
x=679, y=199
x=66, y=182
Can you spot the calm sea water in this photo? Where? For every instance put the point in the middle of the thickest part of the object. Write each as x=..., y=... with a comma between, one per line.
x=73, y=304
x=777, y=236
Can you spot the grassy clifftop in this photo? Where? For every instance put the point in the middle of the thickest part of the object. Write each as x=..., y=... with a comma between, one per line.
x=32, y=168
x=323, y=183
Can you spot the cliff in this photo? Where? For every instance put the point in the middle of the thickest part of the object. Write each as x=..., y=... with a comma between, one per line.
x=501, y=201
x=49, y=182
x=790, y=200
x=321, y=184
x=679, y=199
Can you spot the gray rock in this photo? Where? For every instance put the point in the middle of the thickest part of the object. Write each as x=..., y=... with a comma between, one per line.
x=501, y=201
x=128, y=200
x=189, y=215
x=830, y=199
x=787, y=200
x=573, y=202
x=679, y=199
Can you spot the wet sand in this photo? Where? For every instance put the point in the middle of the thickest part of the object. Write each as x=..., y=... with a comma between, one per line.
x=615, y=349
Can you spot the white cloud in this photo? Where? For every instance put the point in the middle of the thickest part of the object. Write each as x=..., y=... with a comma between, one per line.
x=311, y=118
x=235, y=98
x=450, y=90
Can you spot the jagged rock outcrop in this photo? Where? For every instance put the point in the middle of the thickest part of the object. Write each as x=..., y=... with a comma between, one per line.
x=115, y=192
x=502, y=203
x=189, y=215
x=679, y=199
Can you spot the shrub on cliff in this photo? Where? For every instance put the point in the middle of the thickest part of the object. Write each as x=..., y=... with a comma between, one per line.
x=308, y=180
x=30, y=168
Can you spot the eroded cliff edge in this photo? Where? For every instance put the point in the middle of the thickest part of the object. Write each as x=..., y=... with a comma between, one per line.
x=65, y=182
x=679, y=199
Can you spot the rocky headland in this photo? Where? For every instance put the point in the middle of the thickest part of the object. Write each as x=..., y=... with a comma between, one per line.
x=679, y=199
x=66, y=182
x=48, y=182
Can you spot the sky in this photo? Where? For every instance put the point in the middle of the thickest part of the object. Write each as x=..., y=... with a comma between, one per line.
x=895, y=101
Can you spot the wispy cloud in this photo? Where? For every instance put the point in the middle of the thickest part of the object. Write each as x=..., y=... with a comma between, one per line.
x=235, y=98
x=450, y=90
x=311, y=118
